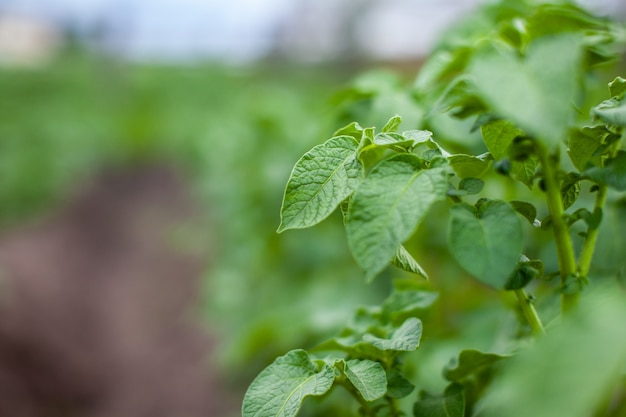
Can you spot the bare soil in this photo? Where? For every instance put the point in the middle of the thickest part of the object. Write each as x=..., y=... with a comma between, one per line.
x=97, y=307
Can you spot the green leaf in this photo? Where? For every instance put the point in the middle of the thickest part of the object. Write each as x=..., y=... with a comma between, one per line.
x=368, y=377
x=387, y=207
x=394, y=141
x=393, y=124
x=398, y=386
x=584, y=146
x=537, y=92
x=319, y=182
x=419, y=136
x=468, y=363
x=570, y=189
x=526, y=271
x=487, y=242
x=572, y=369
x=525, y=209
x=471, y=185
x=278, y=391
x=498, y=135
x=402, y=303
x=450, y=404
x=612, y=112
x=404, y=338
x=524, y=171
x=617, y=87
x=406, y=262
x=353, y=129
x=470, y=165
x=612, y=174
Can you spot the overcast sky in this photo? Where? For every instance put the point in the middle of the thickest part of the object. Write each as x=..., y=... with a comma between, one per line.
x=232, y=29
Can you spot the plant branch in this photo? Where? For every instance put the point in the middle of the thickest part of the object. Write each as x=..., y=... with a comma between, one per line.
x=528, y=309
x=564, y=247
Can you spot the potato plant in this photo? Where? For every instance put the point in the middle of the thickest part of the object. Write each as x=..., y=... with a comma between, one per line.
x=524, y=78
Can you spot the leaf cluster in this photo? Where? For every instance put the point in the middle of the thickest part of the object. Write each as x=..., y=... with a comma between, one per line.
x=528, y=116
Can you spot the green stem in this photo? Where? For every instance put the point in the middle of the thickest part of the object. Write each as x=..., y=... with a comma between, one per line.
x=393, y=407
x=586, y=254
x=564, y=247
x=528, y=309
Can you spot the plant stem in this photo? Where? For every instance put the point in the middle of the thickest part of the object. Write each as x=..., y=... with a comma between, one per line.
x=564, y=247
x=584, y=262
x=528, y=309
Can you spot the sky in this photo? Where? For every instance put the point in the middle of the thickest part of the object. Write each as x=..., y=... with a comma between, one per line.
x=241, y=29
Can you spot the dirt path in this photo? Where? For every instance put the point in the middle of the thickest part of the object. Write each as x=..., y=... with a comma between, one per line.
x=95, y=307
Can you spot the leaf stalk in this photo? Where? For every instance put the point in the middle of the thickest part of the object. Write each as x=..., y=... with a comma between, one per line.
x=529, y=312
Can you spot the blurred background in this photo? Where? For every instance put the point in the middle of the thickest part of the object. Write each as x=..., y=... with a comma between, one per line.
x=144, y=149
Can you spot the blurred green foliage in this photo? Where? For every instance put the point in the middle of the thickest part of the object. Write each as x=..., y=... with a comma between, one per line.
x=233, y=132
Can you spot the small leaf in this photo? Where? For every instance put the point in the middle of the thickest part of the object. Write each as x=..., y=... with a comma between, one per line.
x=612, y=174
x=498, y=135
x=353, y=129
x=468, y=363
x=408, y=302
x=387, y=207
x=526, y=272
x=398, y=386
x=278, y=391
x=319, y=182
x=617, y=87
x=368, y=377
x=406, y=262
x=504, y=81
x=487, y=242
x=584, y=145
x=570, y=189
x=612, y=112
x=405, y=338
x=418, y=136
x=524, y=171
x=394, y=141
x=471, y=185
x=450, y=404
x=393, y=124
x=470, y=165
x=525, y=209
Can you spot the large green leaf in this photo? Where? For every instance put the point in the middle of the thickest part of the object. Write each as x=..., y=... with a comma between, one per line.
x=486, y=241
x=404, y=338
x=612, y=174
x=388, y=206
x=569, y=371
x=450, y=404
x=319, y=182
x=368, y=377
x=537, y=92
x=278, y=391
